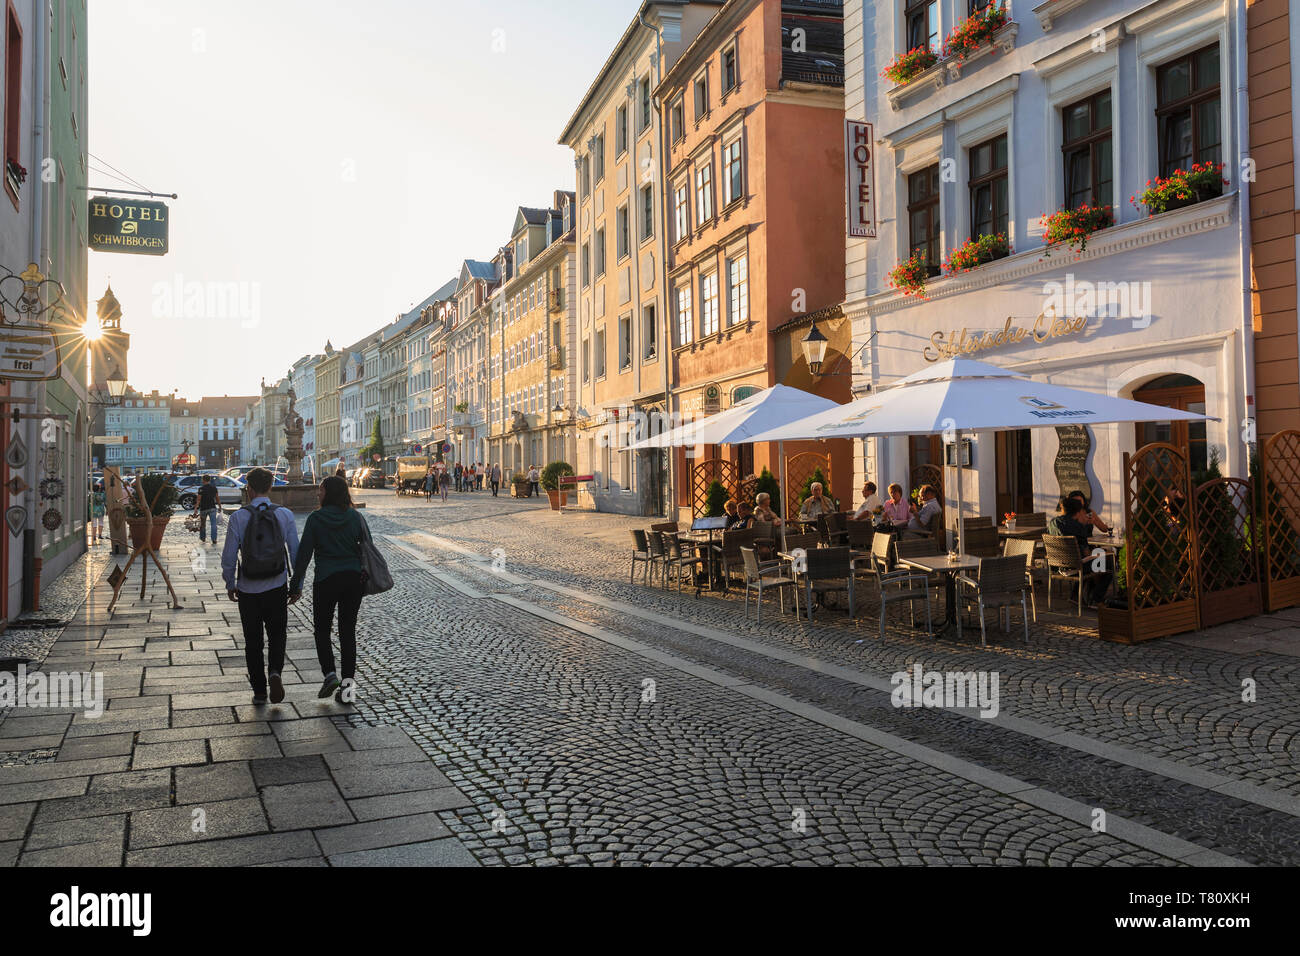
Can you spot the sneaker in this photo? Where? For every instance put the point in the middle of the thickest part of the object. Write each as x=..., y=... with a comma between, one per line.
x=331, y=684
x=348, y=685
x=259, y=700
x=277, y=689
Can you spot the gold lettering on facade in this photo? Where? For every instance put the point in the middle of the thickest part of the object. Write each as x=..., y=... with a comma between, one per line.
x=948, y=345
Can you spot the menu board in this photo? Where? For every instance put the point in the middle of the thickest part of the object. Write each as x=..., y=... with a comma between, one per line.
x=1073, y=444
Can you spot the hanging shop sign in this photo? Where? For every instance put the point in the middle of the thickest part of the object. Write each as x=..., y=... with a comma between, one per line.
x=860, y=179
x=28, y=354
x=129, y=225
x=947, y=345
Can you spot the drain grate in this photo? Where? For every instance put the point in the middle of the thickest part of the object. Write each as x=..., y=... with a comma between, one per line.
x=25, y=758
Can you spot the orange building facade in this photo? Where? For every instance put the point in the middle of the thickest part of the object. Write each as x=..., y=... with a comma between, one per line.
x=753, y=113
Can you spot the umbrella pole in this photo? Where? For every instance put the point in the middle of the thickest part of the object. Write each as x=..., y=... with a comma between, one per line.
x=785, y=502
x=961, y=536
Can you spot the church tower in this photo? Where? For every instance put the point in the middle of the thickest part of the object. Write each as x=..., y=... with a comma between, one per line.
x=108, y=352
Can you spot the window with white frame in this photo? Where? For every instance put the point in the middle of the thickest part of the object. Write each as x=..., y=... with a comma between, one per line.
x=685, y=321
x=709, y=304
x=704, y=193
x=681, y=213
x=738, y=288
x=733, y=171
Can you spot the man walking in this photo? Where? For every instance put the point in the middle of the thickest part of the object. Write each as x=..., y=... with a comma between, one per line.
x=460, y=475
x=534, y=482
x=205, y=506
x=496, y=479
x=261, y=545
x=478, y=476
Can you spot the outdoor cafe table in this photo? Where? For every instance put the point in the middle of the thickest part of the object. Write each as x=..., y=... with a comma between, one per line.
x=931, y=563
x=703, y=543
x=1026, y=532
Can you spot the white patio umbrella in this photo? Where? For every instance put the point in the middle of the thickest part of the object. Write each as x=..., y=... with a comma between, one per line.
x=963, y=395
x=763, y=411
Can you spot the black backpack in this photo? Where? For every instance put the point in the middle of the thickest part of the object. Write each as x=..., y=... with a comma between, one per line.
x=262, y=550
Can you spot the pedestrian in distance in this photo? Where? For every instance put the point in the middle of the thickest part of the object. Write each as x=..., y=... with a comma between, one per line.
x=478, y=476
x=458, y=473
x=98, y=505
x=261, y=544
x=429, y=479
x=534, y=482
x=205, y=506
x=332, y=537
x=496, y=479
x=469, y=477
x=444, y=483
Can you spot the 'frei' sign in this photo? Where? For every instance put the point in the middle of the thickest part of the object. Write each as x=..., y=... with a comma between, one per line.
x=28, y=354
x=128, y=225
x=860, y=179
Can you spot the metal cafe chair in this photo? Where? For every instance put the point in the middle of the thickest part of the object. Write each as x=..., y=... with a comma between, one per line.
x=1026, y=547
x=901, y=584
x=1065, y=563
x=1000, y=583
x=771, y=577
x=640, y=554
x=831, y=569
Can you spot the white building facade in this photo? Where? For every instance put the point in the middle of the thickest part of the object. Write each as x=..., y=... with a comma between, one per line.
x=1071, y=104
x=303, y=380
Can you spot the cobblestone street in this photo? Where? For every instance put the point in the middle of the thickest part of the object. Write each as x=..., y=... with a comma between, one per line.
x=569, y=717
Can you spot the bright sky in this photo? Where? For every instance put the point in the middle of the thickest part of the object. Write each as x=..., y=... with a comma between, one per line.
x=335, y=158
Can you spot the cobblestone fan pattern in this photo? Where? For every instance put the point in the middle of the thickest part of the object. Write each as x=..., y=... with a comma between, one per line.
x=547, y=732
x=1168, y=697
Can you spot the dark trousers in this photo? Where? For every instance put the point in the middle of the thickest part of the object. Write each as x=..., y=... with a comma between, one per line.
x=258, y=613
x=496, y=486
x=534, y=488
x=341, y=590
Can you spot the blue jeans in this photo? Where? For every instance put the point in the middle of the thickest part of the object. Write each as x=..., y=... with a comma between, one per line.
x=204, y=518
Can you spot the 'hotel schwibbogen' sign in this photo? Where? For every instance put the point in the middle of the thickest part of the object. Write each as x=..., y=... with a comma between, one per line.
x=128, y=225
x=1044, y=329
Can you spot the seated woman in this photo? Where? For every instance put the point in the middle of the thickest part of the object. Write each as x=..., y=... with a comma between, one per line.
x=870, y=502
x=897, y=510
x=1089, y=516
x=732, y=516
x=923, y=516
x=763, y=509
x=744, y=517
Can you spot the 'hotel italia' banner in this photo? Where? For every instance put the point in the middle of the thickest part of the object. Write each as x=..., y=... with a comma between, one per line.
x=860, y=179
x=122, y=225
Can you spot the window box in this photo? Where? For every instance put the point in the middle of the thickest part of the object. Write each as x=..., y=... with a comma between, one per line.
x=906, y=67
x=909, y=275
x=1072, y=227
x=974, y=253
x=976, y=33
x=1184, y=187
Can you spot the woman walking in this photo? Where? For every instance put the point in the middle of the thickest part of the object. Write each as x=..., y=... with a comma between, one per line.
x=333, y=536
x=444, y=483
x=97, y=507
x=429, y=479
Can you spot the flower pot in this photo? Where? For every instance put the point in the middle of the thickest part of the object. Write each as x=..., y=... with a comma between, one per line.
x=139, y=528
x=558, y=498
x=1011, y=524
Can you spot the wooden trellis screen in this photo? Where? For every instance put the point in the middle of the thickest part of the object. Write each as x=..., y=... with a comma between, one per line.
x=1279, y=460
x=704, y=473
x=1227, y=551
x=798, y=469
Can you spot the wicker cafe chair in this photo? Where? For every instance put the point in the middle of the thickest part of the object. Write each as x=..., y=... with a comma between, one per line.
x=729, y=553
x=669, y=526
x=679, y=560
x=764, y=540
x=758, y=577
x=999, y=583
x=806, y=541
x=831, y=569
x=903, y=584
x=1025, y=546
x=980, y=540
x=1065, y=563
x=657, y=553
x=833, y=524
x=641, y=554
x=860, y=534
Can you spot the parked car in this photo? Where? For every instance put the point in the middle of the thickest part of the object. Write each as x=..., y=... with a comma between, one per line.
x=229, y=492
x=368, y=478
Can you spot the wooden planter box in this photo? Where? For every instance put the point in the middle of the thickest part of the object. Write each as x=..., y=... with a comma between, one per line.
x=519, y=489
x=1126, y=626
x=1231, y=604
x=558, y=499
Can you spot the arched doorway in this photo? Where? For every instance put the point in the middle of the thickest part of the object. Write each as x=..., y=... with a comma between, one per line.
x=1187, y=394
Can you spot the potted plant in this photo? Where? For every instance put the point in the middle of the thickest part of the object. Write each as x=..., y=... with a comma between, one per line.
x=715, y=499
x=1010, y=517
x=551, y=475
x=973, y=253
x=1183, y=187
x=1072, y=227
x=161, y=495
x=905, y=67
x=519, y=485
x=975, y=32
x=767, y=483
x=909, y=275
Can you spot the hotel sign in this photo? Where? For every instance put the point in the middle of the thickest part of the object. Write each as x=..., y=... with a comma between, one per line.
x=944, y=345
x=128, y=225
x=28, y=354
x=860, y=179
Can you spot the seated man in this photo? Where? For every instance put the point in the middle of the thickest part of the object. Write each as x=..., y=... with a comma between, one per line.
x=763, y=509
x=1072, y=525
x=870, y=502
x=923, y=516
x=817, y=504
x=744, y=517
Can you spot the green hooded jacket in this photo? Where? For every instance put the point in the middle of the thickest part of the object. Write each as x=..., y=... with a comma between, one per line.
x=333, y=535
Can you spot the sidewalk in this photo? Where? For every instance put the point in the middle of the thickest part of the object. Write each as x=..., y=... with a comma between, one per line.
x=182, y=769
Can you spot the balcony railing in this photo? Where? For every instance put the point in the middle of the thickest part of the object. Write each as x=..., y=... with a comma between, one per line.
x=555, y=357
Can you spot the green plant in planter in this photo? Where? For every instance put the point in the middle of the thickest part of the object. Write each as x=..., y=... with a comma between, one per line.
x=552, y=473
x=905, y=67
x=158, y=491
x=1072, y=227
x=715, y=498
x=909, y=276
x=1182, y=187
x=1222, y=547
x=767, y=483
